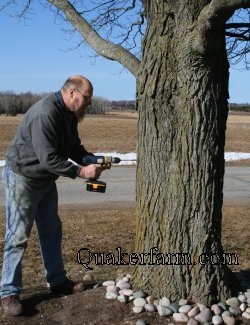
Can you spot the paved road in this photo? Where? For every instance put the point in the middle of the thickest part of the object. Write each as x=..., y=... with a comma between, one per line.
x=121, y=188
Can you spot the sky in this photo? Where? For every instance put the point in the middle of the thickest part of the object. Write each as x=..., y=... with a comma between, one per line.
x=35, y=56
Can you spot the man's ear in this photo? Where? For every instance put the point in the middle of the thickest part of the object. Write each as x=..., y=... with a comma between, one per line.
x=71, y=92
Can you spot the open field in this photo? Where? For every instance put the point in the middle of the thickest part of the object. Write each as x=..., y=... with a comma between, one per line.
x=117, y=132
x=102, y=230
x=238, y=136
x=108, y=133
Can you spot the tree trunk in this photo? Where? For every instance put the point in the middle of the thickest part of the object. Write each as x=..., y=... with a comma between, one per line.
x=182, y=103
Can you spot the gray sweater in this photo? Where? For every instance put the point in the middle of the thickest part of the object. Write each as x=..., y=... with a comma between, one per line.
x=45, y=139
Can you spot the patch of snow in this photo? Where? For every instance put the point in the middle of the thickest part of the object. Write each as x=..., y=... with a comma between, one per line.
x=126, y=157
x=230, y=156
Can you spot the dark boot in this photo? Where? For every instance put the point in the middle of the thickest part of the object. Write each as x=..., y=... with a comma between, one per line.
x=68, y=287
x=12, y=306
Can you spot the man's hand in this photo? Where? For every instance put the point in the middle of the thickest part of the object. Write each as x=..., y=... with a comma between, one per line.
x=106, y=166
x=92, y=171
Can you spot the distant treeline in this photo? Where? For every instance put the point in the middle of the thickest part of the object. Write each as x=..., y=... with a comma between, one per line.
x=240, y=107
x=122, y=104
x=13, y=104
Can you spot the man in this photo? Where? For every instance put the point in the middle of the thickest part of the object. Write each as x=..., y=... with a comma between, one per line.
x=38, y=155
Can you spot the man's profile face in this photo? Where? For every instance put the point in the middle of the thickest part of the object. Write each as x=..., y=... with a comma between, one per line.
x=82, y=99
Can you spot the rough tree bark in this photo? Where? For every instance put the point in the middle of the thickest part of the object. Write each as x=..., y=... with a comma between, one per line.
x=182, y=93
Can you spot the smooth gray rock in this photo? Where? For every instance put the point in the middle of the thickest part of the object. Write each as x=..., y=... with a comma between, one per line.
x=242, y=298
x=111, y=295
x=156, y=302
x=201, y=306
x=194, y=311
x=180, y=317
x=183, y=302
x=204, y=316
x=139, y=302
x=233, y=302
x=192, y=321
x=164, y=302
x=88, y=277
x=222, y=305
x=216, y=320
x=123, y=285
x=243, y=307
x=122, y=298
x=111, y=288
x=229, y=320
x=216, y=309
x=108, y=283
x=227, y=312
x=138, y=309
x=235, y=311
x=174, y=307
x=139, y=294
x=246, y=315
x=150, y=308
x=185, y=309
x=164, y=311
x=127, y=292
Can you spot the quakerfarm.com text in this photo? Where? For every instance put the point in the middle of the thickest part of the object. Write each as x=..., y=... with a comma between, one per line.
x=86, y=257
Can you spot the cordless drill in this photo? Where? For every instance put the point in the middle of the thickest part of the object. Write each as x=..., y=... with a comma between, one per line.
x=93, y=185
x=102, y=160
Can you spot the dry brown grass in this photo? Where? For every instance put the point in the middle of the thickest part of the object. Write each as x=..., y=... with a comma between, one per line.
x=110, y=133
x=8, y=126
x=237, y=139
x=117, y=132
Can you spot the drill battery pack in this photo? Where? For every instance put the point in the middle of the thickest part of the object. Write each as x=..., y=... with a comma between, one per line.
x=96, y=186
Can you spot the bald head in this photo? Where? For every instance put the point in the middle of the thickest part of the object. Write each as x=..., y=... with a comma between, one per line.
x=78, y=82
x=77, y=93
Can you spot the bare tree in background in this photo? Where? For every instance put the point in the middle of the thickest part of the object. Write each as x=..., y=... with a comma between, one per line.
x=182, y=100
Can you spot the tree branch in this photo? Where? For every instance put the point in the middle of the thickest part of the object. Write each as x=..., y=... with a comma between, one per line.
x=237, y=25
x=212, y=19
x=221, y=11
x=236, y=35
x=101, y=46
x=228, y=6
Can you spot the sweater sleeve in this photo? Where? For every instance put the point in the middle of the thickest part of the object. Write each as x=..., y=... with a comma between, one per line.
x=45, y=143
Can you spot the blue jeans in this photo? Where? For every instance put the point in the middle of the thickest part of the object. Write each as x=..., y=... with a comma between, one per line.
x=29, y=200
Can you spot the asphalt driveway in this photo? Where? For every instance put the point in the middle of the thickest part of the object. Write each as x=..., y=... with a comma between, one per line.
x=121, y=188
